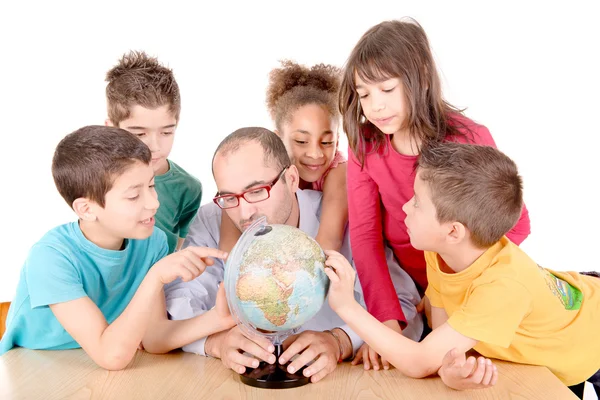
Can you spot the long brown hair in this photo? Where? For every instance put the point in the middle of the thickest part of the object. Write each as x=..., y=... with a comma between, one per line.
x=395, y=49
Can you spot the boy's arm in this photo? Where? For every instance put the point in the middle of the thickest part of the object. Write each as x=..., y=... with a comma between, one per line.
x=416, y=360
x=165, y=335
x=438, y=317
x=110, y=346
x=113, y=346
x=179, y=243
x=334, y=215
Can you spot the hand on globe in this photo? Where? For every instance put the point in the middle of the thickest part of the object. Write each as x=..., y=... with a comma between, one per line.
x=186, y=264
x=342, y=275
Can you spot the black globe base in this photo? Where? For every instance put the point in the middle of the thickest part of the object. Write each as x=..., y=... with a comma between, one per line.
x=273, y=376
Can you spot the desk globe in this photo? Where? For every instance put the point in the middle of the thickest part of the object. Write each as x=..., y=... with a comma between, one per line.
x=274, y=281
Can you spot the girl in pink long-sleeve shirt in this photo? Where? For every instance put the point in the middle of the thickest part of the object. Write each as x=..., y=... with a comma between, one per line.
x=392, y=106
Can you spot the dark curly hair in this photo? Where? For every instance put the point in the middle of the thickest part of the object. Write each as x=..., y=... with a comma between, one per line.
x=293, y=85
x=139, y=79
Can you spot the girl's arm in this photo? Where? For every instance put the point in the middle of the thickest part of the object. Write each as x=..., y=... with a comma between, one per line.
x=229, y=233
x=334, y=215
x=366, y=238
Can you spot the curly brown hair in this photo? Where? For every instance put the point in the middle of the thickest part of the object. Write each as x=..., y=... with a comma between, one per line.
x=293, y=86
x=139, y=79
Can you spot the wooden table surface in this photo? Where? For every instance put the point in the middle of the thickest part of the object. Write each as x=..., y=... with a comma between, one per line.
x=70, y=374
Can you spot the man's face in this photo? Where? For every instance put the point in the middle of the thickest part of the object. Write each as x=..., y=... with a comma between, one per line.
x=244, y=169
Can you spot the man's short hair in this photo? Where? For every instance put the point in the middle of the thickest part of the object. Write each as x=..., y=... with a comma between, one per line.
x=87, y=161
x=275, y=154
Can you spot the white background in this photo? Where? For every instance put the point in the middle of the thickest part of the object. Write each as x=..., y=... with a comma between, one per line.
x=527, y=71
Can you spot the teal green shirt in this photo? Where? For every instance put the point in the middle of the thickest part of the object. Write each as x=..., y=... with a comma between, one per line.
x=65, y=266
x=179, y=194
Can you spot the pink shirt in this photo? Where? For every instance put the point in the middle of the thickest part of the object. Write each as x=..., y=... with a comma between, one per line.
x=376, y=195
x=337, y=159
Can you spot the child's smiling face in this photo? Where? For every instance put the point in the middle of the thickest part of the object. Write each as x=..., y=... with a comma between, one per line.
x=311, y=138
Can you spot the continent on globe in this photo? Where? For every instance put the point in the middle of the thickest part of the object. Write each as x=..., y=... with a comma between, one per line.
x=280, y=279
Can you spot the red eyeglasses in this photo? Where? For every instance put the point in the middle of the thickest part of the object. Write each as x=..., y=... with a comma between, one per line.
x=254, y=195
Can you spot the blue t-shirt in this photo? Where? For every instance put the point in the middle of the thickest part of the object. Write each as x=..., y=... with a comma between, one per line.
x=65, y=266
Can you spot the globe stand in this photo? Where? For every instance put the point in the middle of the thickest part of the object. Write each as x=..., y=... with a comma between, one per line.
x=273, y=376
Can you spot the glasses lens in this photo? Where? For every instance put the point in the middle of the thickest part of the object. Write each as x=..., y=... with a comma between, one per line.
x=227, y=202
x=259, y=194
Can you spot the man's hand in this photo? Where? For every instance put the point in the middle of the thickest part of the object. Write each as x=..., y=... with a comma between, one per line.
x=341, y=276
x=460, y=373
x=369, y=357
x=229, y=346
x=311, y=345
x=186, y=264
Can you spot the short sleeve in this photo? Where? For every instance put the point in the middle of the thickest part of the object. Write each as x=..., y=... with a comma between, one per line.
x=160, y=246
x=433, y=281
x=52, y=277
x=492, y=312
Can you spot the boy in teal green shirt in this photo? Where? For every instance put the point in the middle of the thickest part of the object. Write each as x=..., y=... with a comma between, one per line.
x=143, y=98
x=98, y=283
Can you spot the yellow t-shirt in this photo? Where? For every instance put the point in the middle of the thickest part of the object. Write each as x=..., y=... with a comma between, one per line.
x=523, y=313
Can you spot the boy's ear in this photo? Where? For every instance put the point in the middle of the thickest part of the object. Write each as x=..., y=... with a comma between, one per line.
x=457, y=233
x=84, y=209
x=108, y=122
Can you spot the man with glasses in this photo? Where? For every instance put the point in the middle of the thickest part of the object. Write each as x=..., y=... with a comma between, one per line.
x=256, y=178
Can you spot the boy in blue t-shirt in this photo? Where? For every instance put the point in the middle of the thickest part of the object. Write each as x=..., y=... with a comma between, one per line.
x=98, y=283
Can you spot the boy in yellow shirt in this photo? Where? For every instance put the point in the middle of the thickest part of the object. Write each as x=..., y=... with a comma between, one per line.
x=485, y=292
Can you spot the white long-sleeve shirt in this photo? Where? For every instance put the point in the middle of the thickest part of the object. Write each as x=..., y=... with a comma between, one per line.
x=188, y=299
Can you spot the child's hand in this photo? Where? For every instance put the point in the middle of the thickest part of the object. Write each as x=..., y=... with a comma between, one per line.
x=226, y=321
x=460, y=373
x=186, y=264
x=342, y=275
x=369, y=357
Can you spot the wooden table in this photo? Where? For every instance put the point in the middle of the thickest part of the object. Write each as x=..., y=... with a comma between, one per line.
x=70, y=374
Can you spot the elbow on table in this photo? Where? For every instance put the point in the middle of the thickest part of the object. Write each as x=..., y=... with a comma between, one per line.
x=416, y=371
x=114, y=362
x=155, y=346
